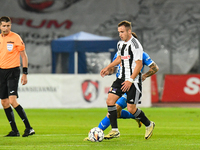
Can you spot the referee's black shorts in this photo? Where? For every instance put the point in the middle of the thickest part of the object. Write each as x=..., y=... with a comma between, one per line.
x=9, y=79
x=133, y=95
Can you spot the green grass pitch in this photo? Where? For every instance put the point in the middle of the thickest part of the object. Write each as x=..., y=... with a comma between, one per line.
x=60, y=129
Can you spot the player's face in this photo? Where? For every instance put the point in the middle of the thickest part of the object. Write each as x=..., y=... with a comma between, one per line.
x=5, y=27
x=124, y=34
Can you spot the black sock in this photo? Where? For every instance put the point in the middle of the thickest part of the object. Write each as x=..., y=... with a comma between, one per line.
x=23, y=116
x=139, y=114
x=11, y=118
x=112, y=112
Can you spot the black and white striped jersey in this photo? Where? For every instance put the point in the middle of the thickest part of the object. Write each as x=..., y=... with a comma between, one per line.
x=130, y=52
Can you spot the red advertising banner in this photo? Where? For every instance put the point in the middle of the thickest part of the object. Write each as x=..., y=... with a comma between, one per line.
x=181, y=88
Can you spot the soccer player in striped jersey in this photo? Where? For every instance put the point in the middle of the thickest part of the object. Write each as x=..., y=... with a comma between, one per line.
x=129, y=81
x=121, y=102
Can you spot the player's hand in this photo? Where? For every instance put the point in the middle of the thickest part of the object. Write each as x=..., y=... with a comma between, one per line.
x=24, y=79
x=104, y=72
x=126, y=85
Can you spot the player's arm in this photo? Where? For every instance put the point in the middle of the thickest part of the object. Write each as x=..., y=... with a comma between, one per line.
x=105, y=70
x=112, y=70
x=25, y=67
x=153, y=69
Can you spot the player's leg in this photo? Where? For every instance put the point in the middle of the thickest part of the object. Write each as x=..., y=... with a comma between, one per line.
x=121, y=103
x=124, y=114
x=133, y=97
x=13, y=80
x=139, y=114
x=5, y=102
x=105, y=123
x=113, y=95
x=10, y=116
x=112, y=113
x=29, y=130
x=112, y=110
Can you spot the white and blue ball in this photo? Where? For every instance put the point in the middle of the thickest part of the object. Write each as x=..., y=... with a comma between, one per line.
x=96, y=134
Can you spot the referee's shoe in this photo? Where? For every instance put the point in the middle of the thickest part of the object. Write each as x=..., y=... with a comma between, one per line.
x=28, y=131
x=112, y=134
x=12, y=134
x=149, y=130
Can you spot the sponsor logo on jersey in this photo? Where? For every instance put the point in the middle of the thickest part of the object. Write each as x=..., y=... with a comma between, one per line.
x=126, y=57
x=90, y=90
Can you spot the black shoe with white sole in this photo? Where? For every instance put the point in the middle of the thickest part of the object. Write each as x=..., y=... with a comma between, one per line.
x=28, y=132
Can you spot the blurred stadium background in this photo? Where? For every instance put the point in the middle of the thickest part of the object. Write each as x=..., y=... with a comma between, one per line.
x=68, y=42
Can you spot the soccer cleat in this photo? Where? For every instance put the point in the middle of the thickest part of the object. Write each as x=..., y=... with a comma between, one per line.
x=149, y=130
x=139, y=122
x=28, y=132
x=12, y=134
x=86, y=139
x=112, y=134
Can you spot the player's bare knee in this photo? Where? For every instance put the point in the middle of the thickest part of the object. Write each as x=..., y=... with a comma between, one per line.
x=5, y=103
x=110, y=102
x=132, y=110
x=13, y=101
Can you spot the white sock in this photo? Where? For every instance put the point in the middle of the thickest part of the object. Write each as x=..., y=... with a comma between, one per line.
x=115, y=129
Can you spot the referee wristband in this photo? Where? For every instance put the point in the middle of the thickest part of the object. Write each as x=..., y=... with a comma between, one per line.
x=25, y=70
x=130, y=80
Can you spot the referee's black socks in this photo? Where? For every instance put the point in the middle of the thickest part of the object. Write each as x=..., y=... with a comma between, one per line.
x=23, y=116
x=10, y=115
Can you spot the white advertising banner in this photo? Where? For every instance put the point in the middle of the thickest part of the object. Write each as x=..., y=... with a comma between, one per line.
x=71, y=91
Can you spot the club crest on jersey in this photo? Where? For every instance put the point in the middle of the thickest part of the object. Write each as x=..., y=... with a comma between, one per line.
x=126, y=57
x=9, y=47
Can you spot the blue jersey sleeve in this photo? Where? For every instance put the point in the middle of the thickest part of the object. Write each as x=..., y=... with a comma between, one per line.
x=114, y=57
x=146, y=60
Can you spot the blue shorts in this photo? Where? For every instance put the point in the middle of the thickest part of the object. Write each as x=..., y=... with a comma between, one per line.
x=122, y=101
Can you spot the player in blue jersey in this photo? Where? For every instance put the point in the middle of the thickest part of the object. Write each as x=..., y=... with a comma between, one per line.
x=121, y=102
